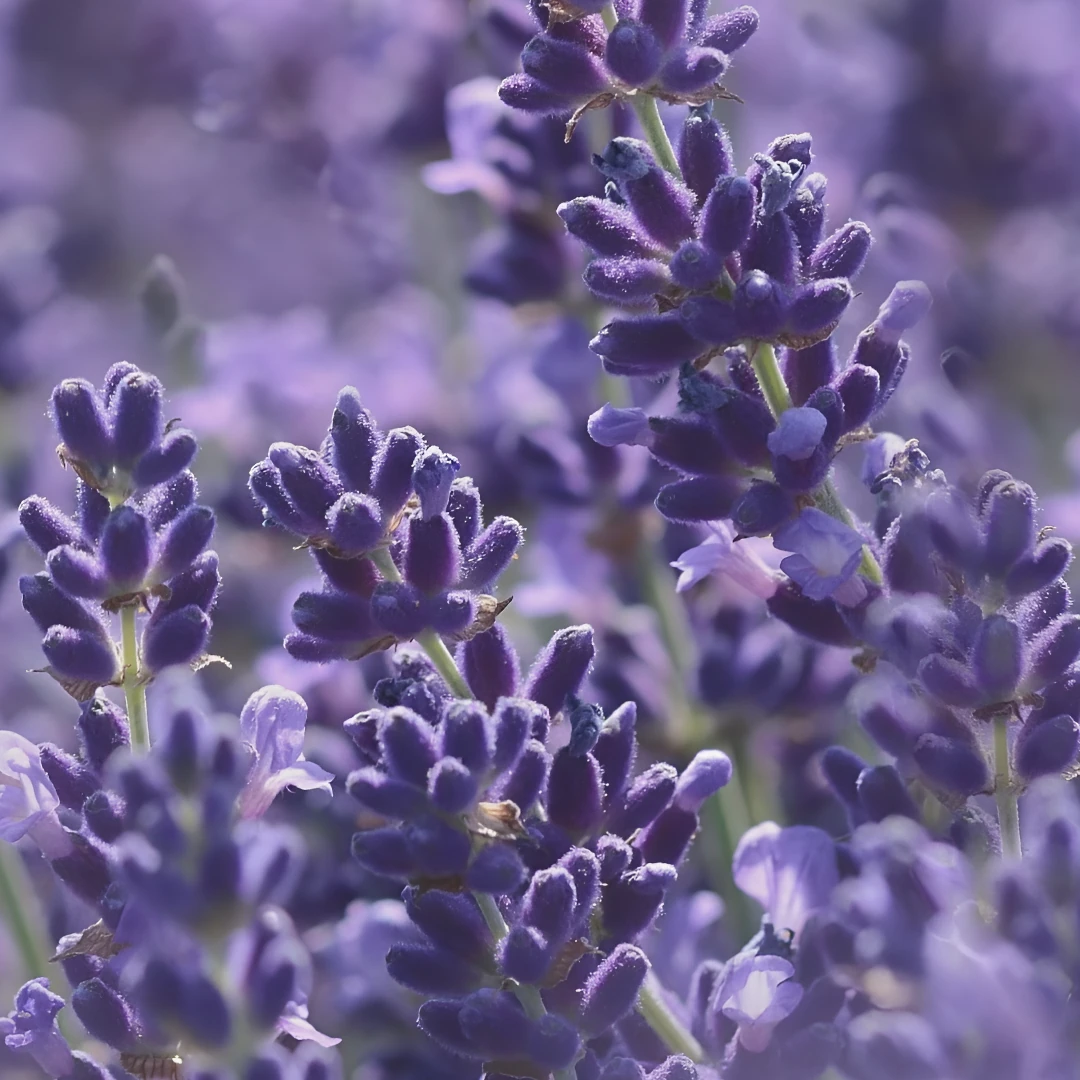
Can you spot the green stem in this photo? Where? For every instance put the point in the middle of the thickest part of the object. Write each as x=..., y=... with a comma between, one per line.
x=27, y=934
x=663, y=1021
x=648, y=114
x=771, y=381
x=134, y=689
x=1004, y=793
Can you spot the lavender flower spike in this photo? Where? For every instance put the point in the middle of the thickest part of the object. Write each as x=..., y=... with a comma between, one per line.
x=272, y=724
x=28, y=800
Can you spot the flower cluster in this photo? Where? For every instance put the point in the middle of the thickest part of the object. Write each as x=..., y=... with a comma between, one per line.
x=138, y=542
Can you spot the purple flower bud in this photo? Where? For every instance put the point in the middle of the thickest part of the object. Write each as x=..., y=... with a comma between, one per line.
x=398, y=609
x=615, y=750
x=78, y=573
x=998, y=657
x=438, y=849
x=692, y=68
x=333, y=615
x=429, y=971
x=308, y=481
x=168, y=459
x=859, y=388
x=1053, y=651
x=408, y=746
x=668, y=838
x=385, y=852
x=661, y=204
x=561, y=667
x=392, y=470
x=523, y=92
x=433, y=475
x=441, y=1021
x=609, y=426
x=84, y=869
x=355, y=523
x=103, y=728
x=136, y=419
x=605, y=226
x=354, y=440
x=496, y=1024
x=745, y=426
x=843, y=254
x=528, y=778
x=185, y=541
x=164, y=505
x=710, y=320
x=48, y=606
x=759, y=306
x=762, y=509
x=490, y=666
x=432, y=558
x=451, y=920
x=553, y=1042
x=104, y=1014
x=384, y=794
x=566, y=67
x=84, y=655
x=647, y=346
x=806, y=212
x=176, y=638
x=525, y=955
x=574, y=793
x=679, y=1067
x=549, y=904
x=465, y=510
x=74, y=782
x=906, y=305
x=728, y=215
x=632, y=52
x=952, y=764
x=626, y=280
x=817, y=306
x=809, y=369
x=622, y=1068
x=690, y=444
x=695, y=267
x=665, y=18
x=612, y=989
x=275, y=980
x=1047, y=747
x=467, y=734
x=125, y=548
x=772, y=248
x=705, y=155
x=731, y=30
x=264, y=482
x=80, y=423
x=882, y=794
x=1034, y=571
x=950, y=681
x=842, y=769
x=491, y=553
x=449, y=613
x=707, y=773
x=1010, y=526
x=45, y=526
x=496, y=869
x=648, y=795
x=698, y=498
x=819, y=620
x=615, y=856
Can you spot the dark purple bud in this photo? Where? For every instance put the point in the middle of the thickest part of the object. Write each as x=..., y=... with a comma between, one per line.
x=84, y=655
x=950, y=681
x=710, y=320
x=952, y=529
x=514, y=720
x=842, y=769
x=355, y=523
x=759, y=306
x=432, y=558
x=104, y=1014
x=615, y=750
x=78, y=573
x=80, y=423
x=882, y=794
x=74, y=781
x=630, y=281
x=728, y=215
x=168, y=459
x=354, y=440
x=523, y=92
x=440, y=1021
x=276, y=981
x=762, y=509
x=103, y=813
x=648, y=796
x=585, y=719
x=170, y=500
x=429, y=971
x=465, y=510
x=988, y=483
x=561, y=667
x=843, y=254
x=692, y=68
x=45, y=526
x=451, y=920
x=567, y=67
x=819, y=620
x=125, y=548
x=606, y=227
x=998, y=657
x=668, y=838
x=614, y=855
x=525, y=955
x=185, y=541
x=549, y=904
x=952, y=764
x=84, y=870
x=385, y=795
x=490, y=665
x=385, y=852
x=1053, y=652
x=905, y=306
x=584, y=868
x=661, y=204
x=633, y=53
x=612, y=989
x=335, y=616
x=398, y=609
x=553, y=1042
x=810, y=369
x=392, y=470
x=176, y=638
x=1046, y=747
x=695, y=267
x=690, y=444
x=772, y=248
x=665, y=18
x=491, y=553
x=528, y=778
x=433, y=475
x=136, y=420
x=698, y=498
x=647, y=346
x=1010, y=526
x=575, y=793
x=1040, y=568
x=450, y=613
x=731, y=30
x=831, y=405
x=48, y=606
x=308, y=481
x=745, y=426
x=496, y=869
x=806, y=212
x=858, y=387
x=707, y=773
x=467, y=734
x=264, y=482
x=817, y=306
x=1035, y=613
x=705, y=155
x=438, y=849
x=495, y=1024
x=103, y=728
x=408, y=746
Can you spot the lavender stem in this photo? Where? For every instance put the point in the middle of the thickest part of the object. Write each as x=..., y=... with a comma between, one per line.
x=1004, y=793
x=134, y=688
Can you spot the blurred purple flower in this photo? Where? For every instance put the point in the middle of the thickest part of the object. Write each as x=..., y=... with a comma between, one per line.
x=32, y=1028
x=28, y=800
x=720, y=554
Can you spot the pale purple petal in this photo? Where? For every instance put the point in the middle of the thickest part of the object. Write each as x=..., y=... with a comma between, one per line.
x=610, y=426
x=797, y=433
x=826, y=552
x=272, y=722
x=27, y=795
x=757, y=992
x=294, y=1022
